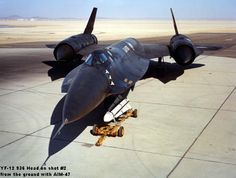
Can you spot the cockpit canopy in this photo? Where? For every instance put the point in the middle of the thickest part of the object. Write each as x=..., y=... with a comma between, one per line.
x=97, y=57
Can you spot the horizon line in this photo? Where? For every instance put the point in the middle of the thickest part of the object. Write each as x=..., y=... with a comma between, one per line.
x=105, y=18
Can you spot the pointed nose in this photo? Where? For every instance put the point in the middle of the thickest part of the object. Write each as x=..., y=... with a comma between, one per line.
x=87, y=91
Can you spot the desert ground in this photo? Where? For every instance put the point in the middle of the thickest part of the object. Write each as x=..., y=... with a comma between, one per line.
x=186, y=116
x=36, y=34
x=106, y=30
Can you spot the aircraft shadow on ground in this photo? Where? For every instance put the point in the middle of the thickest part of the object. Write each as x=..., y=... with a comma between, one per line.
x=71, y=131
x=165, y=72
x=61, y=68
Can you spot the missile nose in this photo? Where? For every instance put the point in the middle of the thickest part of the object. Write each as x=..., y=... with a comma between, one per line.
x=87, y=91
x=64, y=52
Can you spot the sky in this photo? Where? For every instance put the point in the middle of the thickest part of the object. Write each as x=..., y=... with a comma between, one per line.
x=121, y=9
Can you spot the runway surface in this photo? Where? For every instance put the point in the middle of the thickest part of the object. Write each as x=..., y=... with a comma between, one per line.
x=185, y=127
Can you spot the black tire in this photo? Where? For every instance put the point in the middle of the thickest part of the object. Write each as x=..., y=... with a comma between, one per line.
x=135, y=113
x=121, y=131
x=93, y=131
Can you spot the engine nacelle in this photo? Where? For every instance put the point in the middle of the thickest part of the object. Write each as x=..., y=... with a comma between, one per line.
x=182, y=50
x=69, y=48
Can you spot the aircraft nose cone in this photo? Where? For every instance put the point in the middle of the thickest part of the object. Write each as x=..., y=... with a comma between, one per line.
x=87, y=91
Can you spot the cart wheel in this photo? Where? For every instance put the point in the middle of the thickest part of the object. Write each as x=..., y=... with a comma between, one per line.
x=93, y=131
x=121, y=131
x=135, y=113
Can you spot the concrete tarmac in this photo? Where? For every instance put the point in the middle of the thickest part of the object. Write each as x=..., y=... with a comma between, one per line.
x=185, y=127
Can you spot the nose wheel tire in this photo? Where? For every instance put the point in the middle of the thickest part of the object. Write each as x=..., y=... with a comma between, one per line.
x=94, y=130
x=121, y=131
x=135, y=113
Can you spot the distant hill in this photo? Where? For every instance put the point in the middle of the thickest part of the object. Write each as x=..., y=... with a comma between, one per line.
x=12, y=17
x=18, y=17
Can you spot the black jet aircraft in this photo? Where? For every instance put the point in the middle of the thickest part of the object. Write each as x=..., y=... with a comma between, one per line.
x=107, y=74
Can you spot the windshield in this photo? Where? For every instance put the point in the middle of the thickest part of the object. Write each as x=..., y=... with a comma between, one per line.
x=103, y=58
x=97, y=57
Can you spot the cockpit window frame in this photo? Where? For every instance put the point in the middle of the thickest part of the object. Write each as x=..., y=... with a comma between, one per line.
x=97, y=58
x=89, y=60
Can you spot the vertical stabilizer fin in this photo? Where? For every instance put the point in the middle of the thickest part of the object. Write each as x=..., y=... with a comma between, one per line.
x=174, y=22
x=90, y=24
